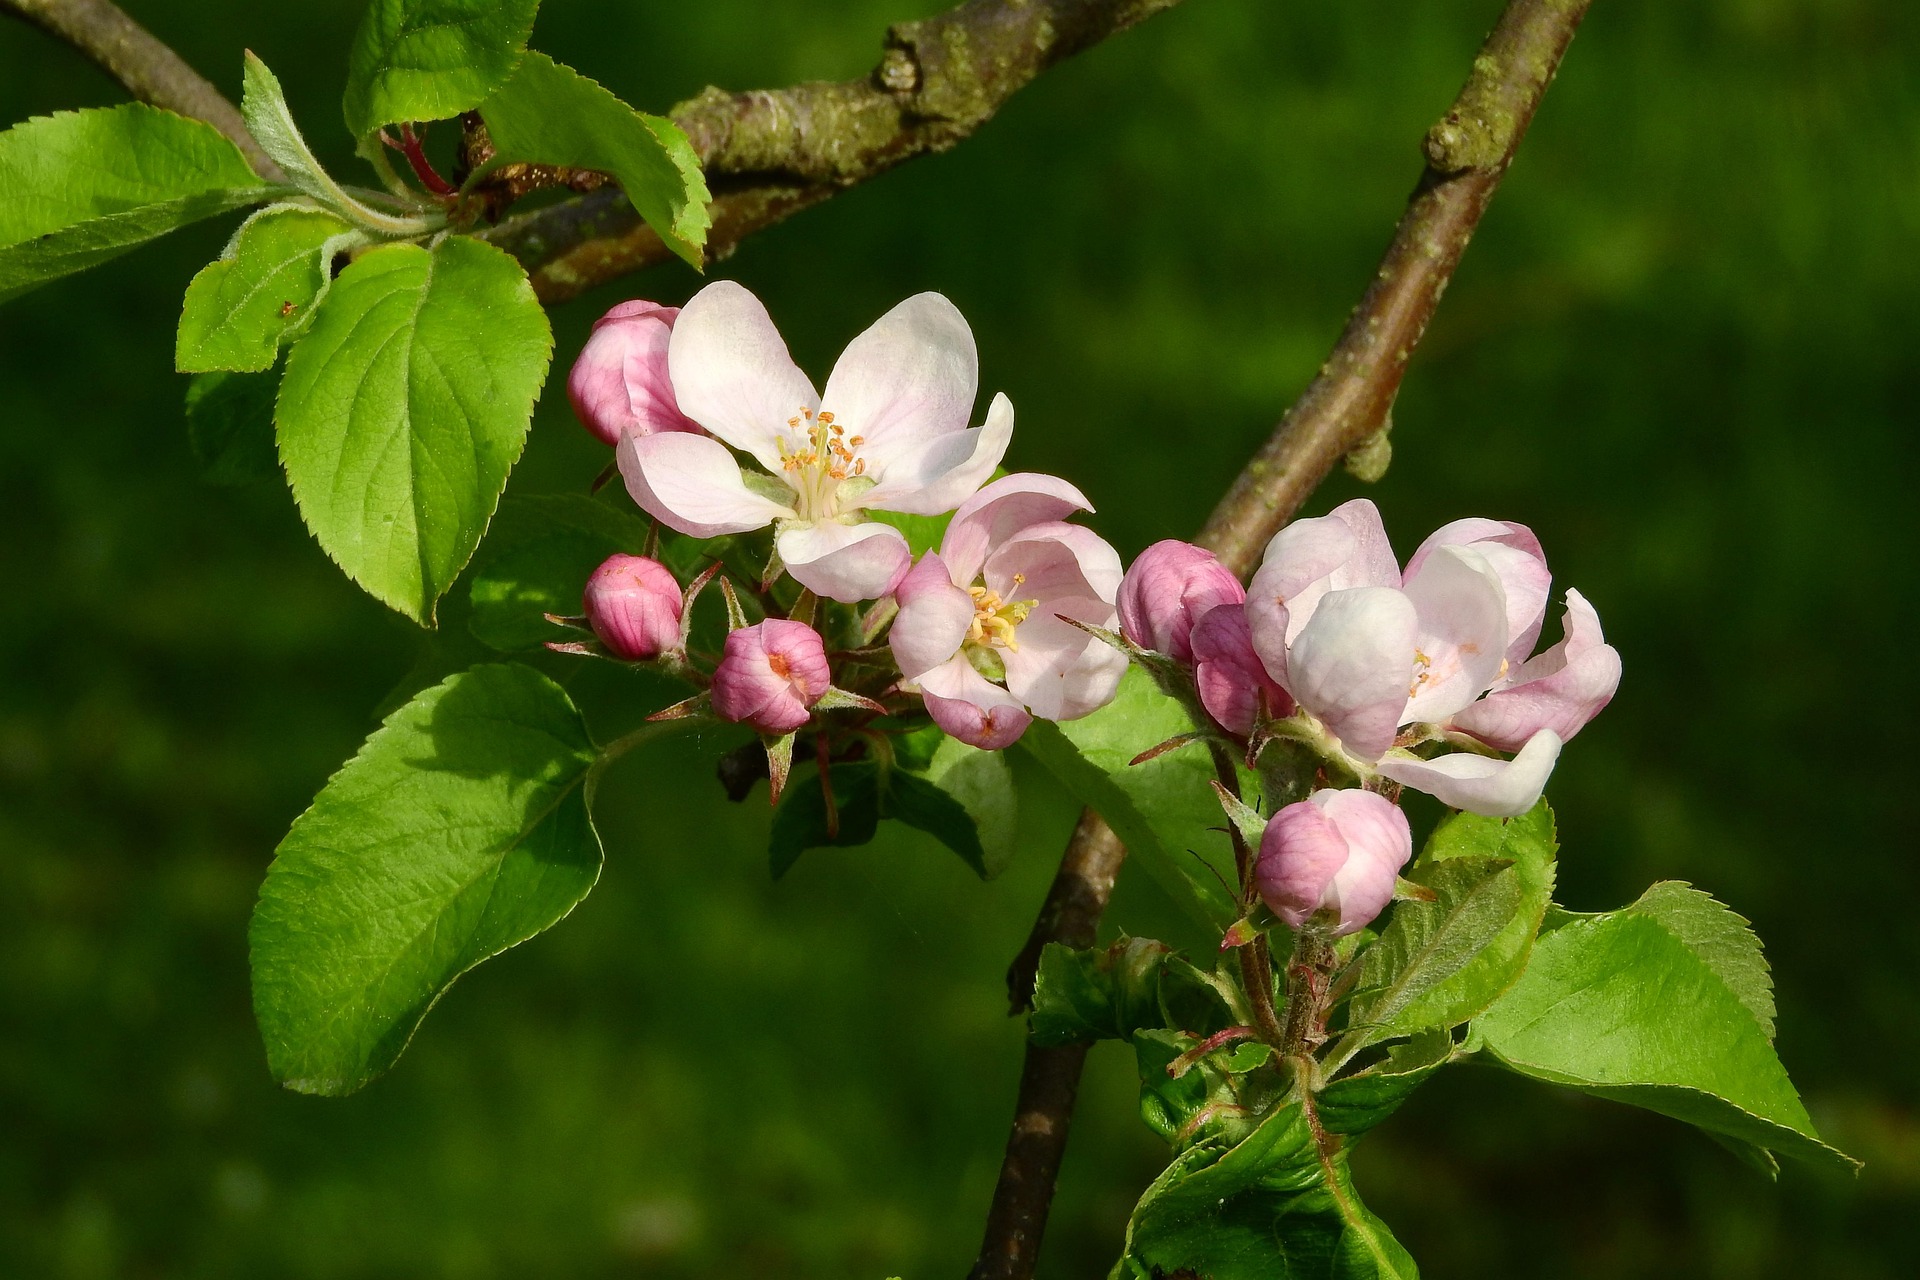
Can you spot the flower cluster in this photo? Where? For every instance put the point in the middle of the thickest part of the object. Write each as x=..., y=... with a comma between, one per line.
x=985, y=625
x=1419, y=678
x=1423, y=677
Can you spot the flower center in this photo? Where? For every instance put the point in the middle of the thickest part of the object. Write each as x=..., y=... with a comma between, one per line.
x=995, y=620
x=821, y=462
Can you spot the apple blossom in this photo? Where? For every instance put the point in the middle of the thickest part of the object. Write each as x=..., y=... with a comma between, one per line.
x=770, y=675
x=980, y=627
x=619, y=384
x=1367, y=652
x=1168, y=588
x=890, y=433
x=633, y=605
x=1337, y=852
x=1233, y=687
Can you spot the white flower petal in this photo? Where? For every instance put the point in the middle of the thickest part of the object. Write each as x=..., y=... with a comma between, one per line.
x=1462, y=641
x=1059, y=671
x=1515, y=555
x=692, y=484
x=1351, y=664
x=944, y=471
x=1478, y=784
x=732, y=374
x=909, y=378
x=844, y=562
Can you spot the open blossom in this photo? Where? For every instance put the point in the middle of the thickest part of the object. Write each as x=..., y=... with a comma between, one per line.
x=1336, y=851
x=890, y=433
x=980, y=625
x=1168, y=588
x=633, y=605
x=619, y=385
x=1367, y=651
x=770, y=675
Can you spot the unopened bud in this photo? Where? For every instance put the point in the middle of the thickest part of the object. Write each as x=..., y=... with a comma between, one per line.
x=1337, y=852
x=619, y=385
x=770, y=675
x=1167, y=590
x=633, y=605
x=1234, y=687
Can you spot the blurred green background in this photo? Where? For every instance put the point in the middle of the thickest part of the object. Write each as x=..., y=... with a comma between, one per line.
x=1683, y=348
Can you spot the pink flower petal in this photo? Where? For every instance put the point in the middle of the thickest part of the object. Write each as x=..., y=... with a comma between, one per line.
x=1230, y=678
x=1300, y=853
x=1379, y=843
x=619, y=383
x=1496, y=788
x=934, y=618
x=971, y=708
x=691, y=483
x=844, y=562
x=1462, y=641
x=1561, y=689
x=732, y=374
x=1167, y=589
x=1001, y=510
x=1351, y=664
x=1059, y=671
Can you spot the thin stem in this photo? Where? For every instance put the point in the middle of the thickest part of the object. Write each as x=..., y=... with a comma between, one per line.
x=150, y=70
x=1468, y=153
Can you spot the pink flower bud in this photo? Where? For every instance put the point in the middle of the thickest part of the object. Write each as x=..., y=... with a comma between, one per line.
x=1337, y=851
x=633, y=605
x=1232, y=682
x=1169, y=588
x=619, y=385
x=771, y=675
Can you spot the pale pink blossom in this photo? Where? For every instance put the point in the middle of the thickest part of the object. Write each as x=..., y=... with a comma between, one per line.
x=633, y=605
x=1168, y=588
x=1234, y=688
x=980, y=629
x=1368, y=653
x=890, y=433
x=770, y=675
x=1337, y=852
x=619, y=385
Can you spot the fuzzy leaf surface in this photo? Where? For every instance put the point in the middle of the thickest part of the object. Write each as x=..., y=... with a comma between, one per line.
x=459, y=829
x=82, y=187
x=405, y=406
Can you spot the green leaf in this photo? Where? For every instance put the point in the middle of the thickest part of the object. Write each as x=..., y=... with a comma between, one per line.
x=431, y=59
x=459, y=829
x=1354, y=1104
x=1439, y=963
x=1274, y=1206
x=550, y=114
x=241, y=308
x=404, y=407
x=923, y=533
x=86, y=186
x=1163, y=810
x=1665, y=1005
x=230, y=426
x=964, y=800
x=536, y=561
x=1080, y=996
x=1425, y=968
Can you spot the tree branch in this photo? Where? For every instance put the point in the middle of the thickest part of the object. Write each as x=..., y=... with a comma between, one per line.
x=150, y=70
x=770, y=153
x=1347, y=405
